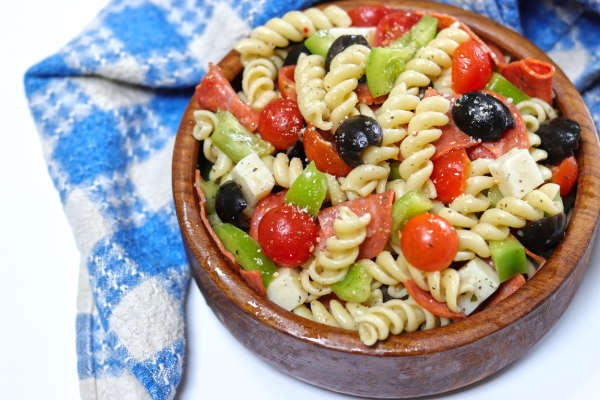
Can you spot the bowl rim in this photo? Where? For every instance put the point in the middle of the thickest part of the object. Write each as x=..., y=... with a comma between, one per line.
x=533, y=294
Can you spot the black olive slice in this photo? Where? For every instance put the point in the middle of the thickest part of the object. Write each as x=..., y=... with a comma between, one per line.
x=482, y=116
x=560, y=138
x=230, y=203
x=354, y=135
x=542, y=235
x=340, y=44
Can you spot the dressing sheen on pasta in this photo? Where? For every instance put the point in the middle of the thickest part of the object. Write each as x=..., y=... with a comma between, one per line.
x=337, y=244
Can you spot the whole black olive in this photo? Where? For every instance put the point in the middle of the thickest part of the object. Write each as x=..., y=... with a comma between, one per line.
x=542, y=235
x=482, y=116
x=230, y=203
x=354, y=135
x=297, y=150
x=294, y=53
x=560, y=138
x=340, y=44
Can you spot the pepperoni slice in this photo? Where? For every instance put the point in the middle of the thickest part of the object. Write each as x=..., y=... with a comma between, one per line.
x=532, y=76
x=378, y=231
x=507, y=288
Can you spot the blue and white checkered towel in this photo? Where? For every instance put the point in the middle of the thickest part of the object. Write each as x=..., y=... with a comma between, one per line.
x=107, y=107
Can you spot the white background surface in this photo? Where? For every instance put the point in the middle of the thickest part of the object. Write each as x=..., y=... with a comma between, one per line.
x=38, y=264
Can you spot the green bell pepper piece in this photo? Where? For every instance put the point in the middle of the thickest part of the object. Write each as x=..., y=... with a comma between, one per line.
x=411, y=204
x=308, y=190
x=503, y=86
x=233, y=139
x=246, y=251
x=356, y=285
x=509, y=257
x=210, y=193
x=395, y=171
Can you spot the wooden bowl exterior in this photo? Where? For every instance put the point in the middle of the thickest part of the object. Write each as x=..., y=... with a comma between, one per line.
x=410, y=364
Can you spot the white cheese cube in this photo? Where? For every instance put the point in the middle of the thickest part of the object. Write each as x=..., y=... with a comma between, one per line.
x=478, y=281
x=517, y=173
x=286, y=290
x=254, y=178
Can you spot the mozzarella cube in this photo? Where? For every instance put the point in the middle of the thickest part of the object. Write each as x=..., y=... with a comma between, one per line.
x=254, y=178
x=517, y=173
x=286, y=290
x=478, y=281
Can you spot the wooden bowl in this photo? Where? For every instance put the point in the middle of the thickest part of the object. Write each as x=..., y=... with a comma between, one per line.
x=410, y=364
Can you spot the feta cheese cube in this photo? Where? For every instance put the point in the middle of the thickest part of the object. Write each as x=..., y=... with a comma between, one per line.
x=478, y=281
x=286, y=290
x=254, y=178
x=517, y=173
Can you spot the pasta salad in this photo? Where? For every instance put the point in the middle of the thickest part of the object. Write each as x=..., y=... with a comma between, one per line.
x=383, y=170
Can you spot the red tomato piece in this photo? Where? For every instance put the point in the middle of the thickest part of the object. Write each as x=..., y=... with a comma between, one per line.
x=280, y=123
x=496, y=55
x=215, y=91
x=394, y=25
x=450, y=173
x=506, y=289
x=365, y=96
x=323, y=154
x=565, y=175
x=471, y=67
x=515, y=137
x=429, y=242
x=264, y=206
x=426, y=300
x=532, y=76
x=288, y=235
x=286, y=82
x=368, y=15
x=378, y=231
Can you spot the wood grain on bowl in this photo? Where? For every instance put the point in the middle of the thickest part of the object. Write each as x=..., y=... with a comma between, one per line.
x=411, y=364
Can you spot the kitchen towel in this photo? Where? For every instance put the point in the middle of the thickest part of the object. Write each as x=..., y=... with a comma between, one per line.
x=107, y=107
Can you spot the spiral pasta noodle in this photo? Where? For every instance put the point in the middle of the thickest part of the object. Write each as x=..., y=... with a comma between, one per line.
x=394, y=316
x=205, y=124
x=342, y=249
x=222, y=164
x=258, y=82
x=534, y=112
x=313, y=288
x=284, y=170
x=294, y=26
x=430, y=60
x=340, y=316
x=443, y=285
x=443, y=83
x=309, y=74
x=416, y=148
x=346, y=69
x=365, y=179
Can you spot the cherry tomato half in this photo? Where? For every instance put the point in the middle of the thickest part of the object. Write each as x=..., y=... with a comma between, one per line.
x=368, y=15
x=394, y=25
x=323, y=154
x=471, y=67
x=288, y=235
x=280, y=123
x=429, y=242
x=270, y=202
x=565, y=175
x=450, y=173
x=286, y=82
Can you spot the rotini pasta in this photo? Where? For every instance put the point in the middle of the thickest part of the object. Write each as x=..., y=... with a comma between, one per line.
x=346, y=69
x=284, y=170
x=430, y=60
x=309, y=74
x=222, y=164
x=258, y=82
x=416, y=149
x=294, y=26
x=534, y=112
x=365, y=179
x=205, y=124
x=340, y=316
x=342, y=249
